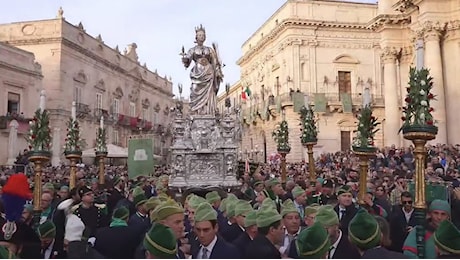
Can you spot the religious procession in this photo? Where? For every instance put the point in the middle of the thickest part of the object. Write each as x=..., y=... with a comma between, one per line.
x=366, y=202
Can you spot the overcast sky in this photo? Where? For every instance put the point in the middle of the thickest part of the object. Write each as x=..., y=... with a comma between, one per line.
x=159, y=27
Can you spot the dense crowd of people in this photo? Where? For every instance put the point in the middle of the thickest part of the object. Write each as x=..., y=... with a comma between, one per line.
x=317, y=216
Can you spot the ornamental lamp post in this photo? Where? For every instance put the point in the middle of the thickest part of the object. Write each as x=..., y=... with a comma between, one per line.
x=281, y=137
x=72, y=148
x=309, y=136
x=101, y=150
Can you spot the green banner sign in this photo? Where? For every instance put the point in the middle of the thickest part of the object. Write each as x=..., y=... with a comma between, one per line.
x=140, y=157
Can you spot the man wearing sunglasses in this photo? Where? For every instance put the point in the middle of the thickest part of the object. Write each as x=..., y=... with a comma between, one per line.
x=402, y=222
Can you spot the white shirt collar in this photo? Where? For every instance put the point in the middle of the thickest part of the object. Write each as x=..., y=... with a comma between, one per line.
x=334, y=246
x=209, y=247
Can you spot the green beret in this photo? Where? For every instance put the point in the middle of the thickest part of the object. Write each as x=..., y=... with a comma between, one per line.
x=441, y=205
x=297, y=191
x=288, y=207
x=313, y=242
x=121, y=213
x=257, y=183
x=161, y=242
x=47, y=230
x=268, y=203
x=272, y=182
x=5, y=253
x=205, y=212
x=320, y=180
x=195, y=201
x=232, y=196
x=223, y=205
x=160, y=187
x=326, y=216
x=242, y=207
x=212, y=197
x=364, y=230
x=447, y=237
x=267, y=216
x=167, y=208
x=312, y=209
x=345, y=189
x=230, y=210
x=152, y=203
x=139, y=196
x=48, y=186
x=163, y=197
x=250, y=219
x=64, y=188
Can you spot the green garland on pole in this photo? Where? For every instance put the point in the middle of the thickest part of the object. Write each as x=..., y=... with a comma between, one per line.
x=73, y=142
x=367, y=128
x=101, y=144
x=281, y=137
x=308, y=123
x=39, y=136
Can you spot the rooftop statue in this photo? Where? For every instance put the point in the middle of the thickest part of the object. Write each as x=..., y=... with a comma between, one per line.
x=206, y=74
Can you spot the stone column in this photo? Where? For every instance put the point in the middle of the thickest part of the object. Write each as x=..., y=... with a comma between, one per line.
x=433, y=62
x=392, y=113
x=56, y=147
x=451, y=54
x=12, y=142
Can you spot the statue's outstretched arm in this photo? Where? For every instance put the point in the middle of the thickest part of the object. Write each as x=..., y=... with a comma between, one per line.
x=187, y=58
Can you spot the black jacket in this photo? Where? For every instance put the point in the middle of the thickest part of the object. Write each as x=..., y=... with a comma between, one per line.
x=382, y=253
x=221, y=250
x=261, y=248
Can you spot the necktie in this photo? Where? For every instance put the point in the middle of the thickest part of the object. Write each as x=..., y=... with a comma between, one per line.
x=301, y=212
x=329, y=256
x=342, y=213
x=205, y=253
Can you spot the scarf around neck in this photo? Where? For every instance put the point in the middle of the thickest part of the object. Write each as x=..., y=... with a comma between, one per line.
x=116, y=222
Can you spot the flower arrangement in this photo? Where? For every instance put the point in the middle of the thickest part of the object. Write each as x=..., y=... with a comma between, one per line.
x=73, y=142
x=367, y=127
x=308, y=123
x=281, y=137
x=101, y=145
x=39, y=136
x=417, y=112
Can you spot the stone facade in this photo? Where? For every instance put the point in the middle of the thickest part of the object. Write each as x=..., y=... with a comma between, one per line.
x=20, y=85
x=102, y=80
x=331, y=51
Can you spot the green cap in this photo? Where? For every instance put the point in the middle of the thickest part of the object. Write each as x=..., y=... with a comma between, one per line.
x=345, y=189
x=47, y=230
x=121, y=213
x=447, y=237
x=242, y=207
x=205, y=212
x=313, y=242
x=250, y=219
x=326, y=216
x=166, y=209
x=139, y=196
x=364, y=230
x=272, y=182
x=288, y=207
x=212, y=197
x=152, y=203
x=48, y=186
x=441, y=205
x=223, y=205
x=232, y=196
x=297, y=191
x=161, y=242
x=267, y=216
x=268, y=203
x=312, y=209
x=231, y=206
x=195, y=201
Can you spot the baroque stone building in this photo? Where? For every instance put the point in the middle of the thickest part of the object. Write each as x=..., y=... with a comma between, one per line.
x=103, y=81
x=20, y=84
x=331, y=51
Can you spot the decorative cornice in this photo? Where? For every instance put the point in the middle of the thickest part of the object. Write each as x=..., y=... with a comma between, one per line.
x=405, y=6
x=100, y=85
x=20, y=69
x=452, y=30
x=292, y=22
x=432, y=30
x=388, y=19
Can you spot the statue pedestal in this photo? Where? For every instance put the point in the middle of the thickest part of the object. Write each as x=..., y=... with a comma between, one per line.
x=204, y=152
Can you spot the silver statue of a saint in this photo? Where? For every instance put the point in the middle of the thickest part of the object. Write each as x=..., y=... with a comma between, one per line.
x=206, y=74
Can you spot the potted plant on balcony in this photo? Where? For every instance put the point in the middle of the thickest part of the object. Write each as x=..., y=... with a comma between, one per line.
x=417, y=114
x=367, y=128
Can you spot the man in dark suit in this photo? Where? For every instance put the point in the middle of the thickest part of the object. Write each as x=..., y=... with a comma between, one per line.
x=270, y=233
x=242, y=207
x=140, y=218
x=250, y=227
x=47, y=234
x=402, y=221
x=211, y=245
x=116, y=194
x=345, y=209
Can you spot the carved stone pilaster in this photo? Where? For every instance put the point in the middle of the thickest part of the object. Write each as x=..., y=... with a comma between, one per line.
x=389, y=54
x=407, y=54
x=432, y=30
x=452, y=30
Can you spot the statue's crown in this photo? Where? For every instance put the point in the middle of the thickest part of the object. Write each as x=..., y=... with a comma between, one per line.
x=200, y=28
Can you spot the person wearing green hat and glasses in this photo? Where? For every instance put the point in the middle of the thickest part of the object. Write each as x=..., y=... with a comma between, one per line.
x=160, y=242
x=447, y=240
x=211, y=245
x=439, y=211
x=270, y=233
x=364, y=232
x=242, y=207
x=291, y=221
x=250, y=228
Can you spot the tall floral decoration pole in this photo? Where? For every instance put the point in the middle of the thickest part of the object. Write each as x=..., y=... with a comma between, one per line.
x=363, y=143
x=309, y=136
x=418, y=126
x=39, y=141
x=73, y=144
x=281, y=137
x=101, y=150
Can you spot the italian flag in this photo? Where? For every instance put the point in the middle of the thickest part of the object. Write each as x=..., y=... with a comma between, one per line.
x=245, y=93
